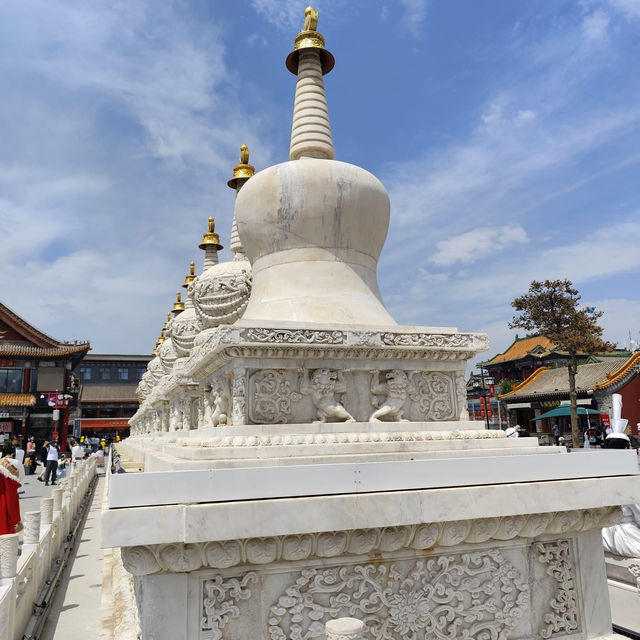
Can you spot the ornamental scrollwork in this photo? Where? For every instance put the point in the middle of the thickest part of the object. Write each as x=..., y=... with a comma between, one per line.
x=294, y=336
x=564, y=615
x=220, y=602
x=471, y=595
x=427, y=340
x=271, y=397
x=437, y=396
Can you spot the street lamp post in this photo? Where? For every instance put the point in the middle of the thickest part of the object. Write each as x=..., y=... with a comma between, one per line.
x=58, y=401
x=484, y=399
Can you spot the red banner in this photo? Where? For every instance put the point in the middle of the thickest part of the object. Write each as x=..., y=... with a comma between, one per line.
x=604, y=419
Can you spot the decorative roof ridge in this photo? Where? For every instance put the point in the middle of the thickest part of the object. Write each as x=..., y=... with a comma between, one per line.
x=525, y=383
x=17, y=399
x=616, y=376
x=19, y=323
x=30, y=349
x=515, y=341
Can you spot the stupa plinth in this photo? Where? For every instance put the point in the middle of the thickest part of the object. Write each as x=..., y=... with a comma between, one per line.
x=328, y=467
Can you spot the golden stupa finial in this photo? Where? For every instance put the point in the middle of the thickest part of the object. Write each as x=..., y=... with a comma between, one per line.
x=211, y=239
x=310, y=38
x=191, y=276
x=178, y=305
x=242, y=171
x=160, y=340
x=310, y=19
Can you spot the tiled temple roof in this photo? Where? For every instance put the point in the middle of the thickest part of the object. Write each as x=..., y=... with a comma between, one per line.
x=18, y=349
x=17, y=400
x=33, y=343
x=546, y=382
x=521, y=347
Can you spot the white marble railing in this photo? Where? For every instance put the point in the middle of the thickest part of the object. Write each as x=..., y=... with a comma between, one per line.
x=22, y=577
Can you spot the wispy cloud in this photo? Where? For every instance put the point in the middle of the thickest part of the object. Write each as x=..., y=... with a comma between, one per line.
x=476, y=244
x=413, y=17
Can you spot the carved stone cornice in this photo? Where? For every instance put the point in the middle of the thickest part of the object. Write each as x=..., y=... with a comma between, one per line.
x=224, y=343
x=185, y=557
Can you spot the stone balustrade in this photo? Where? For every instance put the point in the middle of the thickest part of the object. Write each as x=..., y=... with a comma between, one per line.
x=23, y=576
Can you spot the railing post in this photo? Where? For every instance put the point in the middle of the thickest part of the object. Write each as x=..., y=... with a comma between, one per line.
x=31, y=522
x=46, y=511
x=344, y=629
x=9, y=555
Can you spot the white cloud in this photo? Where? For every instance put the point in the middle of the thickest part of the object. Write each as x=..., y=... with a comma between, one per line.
x=525, y=115
x=595, y=27
x=414, y=17
x=629, y=8
x=477, y=244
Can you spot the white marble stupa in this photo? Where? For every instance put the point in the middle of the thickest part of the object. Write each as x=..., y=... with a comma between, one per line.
x=325, y=464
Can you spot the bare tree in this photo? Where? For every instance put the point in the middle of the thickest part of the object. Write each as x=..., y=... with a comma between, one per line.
x=550, y=308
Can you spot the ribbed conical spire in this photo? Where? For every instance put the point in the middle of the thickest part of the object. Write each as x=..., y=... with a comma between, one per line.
x=311, y=129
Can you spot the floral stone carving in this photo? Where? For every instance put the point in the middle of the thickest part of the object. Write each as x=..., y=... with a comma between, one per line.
x=271, y=397
x=467, y=595
x=564, y=615
x=437, y=396
x=291, y=336
x=220, y=602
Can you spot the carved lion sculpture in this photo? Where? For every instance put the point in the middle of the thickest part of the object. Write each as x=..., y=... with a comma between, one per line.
x=396, y=390
x=323, y=387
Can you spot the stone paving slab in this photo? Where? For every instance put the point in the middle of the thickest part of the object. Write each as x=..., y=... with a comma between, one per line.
x=75, y=612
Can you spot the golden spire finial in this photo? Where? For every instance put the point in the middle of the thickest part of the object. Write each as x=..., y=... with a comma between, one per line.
x=211, y=239
x=178, y=305
x=310, y=19
x=242, y=171
x=191, y=276
x=168, y=317
x=244, y=154
x=310, y=38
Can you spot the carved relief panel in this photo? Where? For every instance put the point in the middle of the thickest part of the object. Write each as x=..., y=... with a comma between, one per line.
x=472, y=593
x=279, y=396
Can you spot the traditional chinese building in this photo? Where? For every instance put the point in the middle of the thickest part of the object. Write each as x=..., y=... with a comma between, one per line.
x=108, y=392
x=526, y=355
x=37, y=388
x=547, y=388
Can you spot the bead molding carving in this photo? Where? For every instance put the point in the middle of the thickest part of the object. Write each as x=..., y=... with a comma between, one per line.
x=220, y=602
x=558, y=562
x=292, y=439
x=180, y=557
x=465, y=595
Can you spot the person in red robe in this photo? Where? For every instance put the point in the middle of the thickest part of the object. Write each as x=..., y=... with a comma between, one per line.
x=10, y=521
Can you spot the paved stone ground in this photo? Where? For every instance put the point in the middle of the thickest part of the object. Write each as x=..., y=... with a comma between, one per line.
x=75, y=612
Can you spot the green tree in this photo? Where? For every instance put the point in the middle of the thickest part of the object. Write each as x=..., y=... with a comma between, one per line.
x=551, y=309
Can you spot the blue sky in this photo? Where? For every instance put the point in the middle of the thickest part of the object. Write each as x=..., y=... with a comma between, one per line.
x=507, y=135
